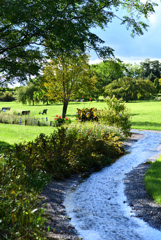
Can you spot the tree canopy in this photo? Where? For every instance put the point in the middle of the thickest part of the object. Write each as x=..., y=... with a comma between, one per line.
x=128, y=88
x=58, y=26
x=151, y=69
x=106, y=72
x=65, y=76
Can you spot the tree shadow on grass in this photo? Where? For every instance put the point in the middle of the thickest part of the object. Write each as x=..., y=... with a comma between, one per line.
x=146, y=124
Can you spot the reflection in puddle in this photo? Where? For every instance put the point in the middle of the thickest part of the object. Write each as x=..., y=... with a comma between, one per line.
x=97, y=206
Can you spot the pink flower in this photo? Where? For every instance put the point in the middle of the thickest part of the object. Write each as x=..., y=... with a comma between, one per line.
x=66, y=118
x=56, y=115
x=55, y=118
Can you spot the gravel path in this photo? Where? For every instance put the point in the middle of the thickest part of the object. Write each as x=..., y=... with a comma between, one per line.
x=137, y=197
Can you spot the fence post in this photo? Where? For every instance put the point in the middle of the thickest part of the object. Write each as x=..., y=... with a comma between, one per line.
x=38, y=123
x=25, y=122
x=20, y=122
x=51, y=123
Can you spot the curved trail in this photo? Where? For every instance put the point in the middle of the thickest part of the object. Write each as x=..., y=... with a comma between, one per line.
x=97, y=206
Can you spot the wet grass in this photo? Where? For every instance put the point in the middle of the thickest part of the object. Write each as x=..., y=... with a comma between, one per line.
x=153, y=181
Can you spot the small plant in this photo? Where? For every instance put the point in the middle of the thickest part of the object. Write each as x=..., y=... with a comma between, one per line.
x=86, y=114
x=58, y=121
x=116, y=115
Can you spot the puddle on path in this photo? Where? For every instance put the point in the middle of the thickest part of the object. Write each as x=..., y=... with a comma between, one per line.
x=96, y=206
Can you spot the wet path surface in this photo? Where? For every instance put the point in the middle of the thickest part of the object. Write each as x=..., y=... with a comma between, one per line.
x=98, y=207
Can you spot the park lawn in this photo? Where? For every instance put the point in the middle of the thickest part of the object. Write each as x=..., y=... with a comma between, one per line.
x=153, y=180
x=53, y=110
x=12, y=133
x=145, y=114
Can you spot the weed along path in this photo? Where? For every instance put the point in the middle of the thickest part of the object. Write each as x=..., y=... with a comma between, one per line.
x=98, y=207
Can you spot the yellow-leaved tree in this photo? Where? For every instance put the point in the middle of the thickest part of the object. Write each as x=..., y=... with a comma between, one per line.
x=66, y=76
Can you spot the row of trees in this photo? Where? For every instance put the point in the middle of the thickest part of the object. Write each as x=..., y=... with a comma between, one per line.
x=67, y=78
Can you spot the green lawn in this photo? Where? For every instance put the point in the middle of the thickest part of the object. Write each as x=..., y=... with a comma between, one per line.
x=11, y=133
x=153, y=180
x=145, y=114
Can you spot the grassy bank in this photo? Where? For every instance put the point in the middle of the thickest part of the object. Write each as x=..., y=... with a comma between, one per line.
x=153, y=180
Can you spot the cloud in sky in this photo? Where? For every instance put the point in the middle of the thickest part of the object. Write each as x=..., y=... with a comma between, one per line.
x=135, y=49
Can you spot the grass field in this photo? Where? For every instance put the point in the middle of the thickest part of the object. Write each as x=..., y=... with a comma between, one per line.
x=145, y=115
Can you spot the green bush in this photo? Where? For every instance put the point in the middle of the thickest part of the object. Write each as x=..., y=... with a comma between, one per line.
x=30, y=166
x=116, y=115
x=7, y=97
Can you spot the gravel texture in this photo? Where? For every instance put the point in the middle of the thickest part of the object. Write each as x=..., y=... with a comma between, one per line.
x=137, y=197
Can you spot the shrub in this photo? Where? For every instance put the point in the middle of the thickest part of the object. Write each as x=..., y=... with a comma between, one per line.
x=116, y=115
x=30, y=166
x=7, y=97
x=86, y=114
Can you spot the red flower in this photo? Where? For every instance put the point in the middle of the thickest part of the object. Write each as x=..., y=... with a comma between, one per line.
x=56, y=115
x=59, y=117
x=55, y=118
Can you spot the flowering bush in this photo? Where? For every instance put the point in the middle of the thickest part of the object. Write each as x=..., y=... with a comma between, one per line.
x=59, y=121
x=86, y=114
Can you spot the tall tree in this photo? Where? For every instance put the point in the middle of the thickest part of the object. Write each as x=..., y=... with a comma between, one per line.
x=65, y=76
x=59, y=26
x=106, y=72
x=29, y=94
x=133, y=70
x=151, y=69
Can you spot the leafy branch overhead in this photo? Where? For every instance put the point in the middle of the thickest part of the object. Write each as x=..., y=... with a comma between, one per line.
x=58, y=26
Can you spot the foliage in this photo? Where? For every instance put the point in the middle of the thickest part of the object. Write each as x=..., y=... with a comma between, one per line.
x=95, y=129
x=128, y=88
x=58, y=121
x=117, y=114
x=157, y=85
x=133, y=70
x=65, y=76
x=16, y=118
x=29, y=94
x=106, y=72
x=86, y=114
x=62, y=27
x=29, y=166
x=151, y=69
x=7, y=97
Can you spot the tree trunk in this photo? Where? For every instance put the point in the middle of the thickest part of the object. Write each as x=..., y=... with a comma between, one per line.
x=65, y=105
